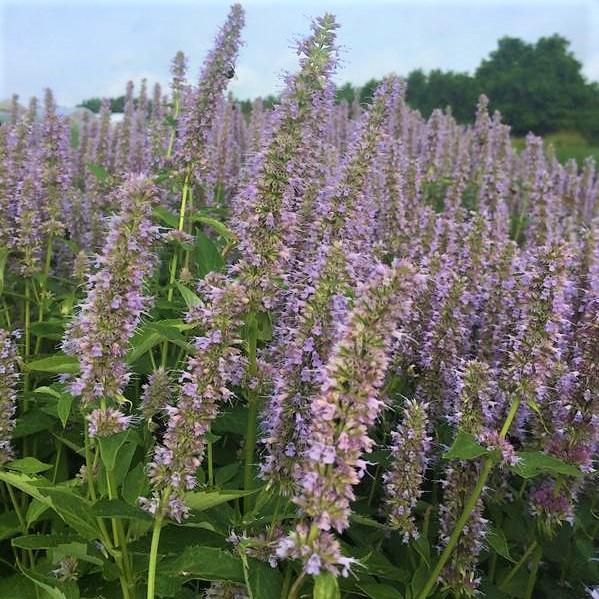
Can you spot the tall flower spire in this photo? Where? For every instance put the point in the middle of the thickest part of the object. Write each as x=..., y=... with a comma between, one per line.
x=115, y=298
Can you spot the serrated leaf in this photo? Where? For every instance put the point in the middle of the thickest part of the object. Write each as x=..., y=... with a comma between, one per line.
x=9, y=525
x=48, y=585
x=35, y=510
x=190, y=298
x=59, y=363
x=535, y=463
x=32, y=422
x=262, y=581
x=326, y=586
x=465, y=447
x=207, y=255
x=219, y=227
x=75, y=511
x=497, y=541
x=43, y=541
x=29, y=465
x=378, y=590
x=142, y=342
x=25, y=483
x=204, y=563
x=366, y=521
x=134, y=484
x=166, y=216
x=115, y=508
x=109, y=448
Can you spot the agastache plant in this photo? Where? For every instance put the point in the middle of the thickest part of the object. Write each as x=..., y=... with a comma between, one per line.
x=342, y=414
x=362, y=362
x=115, y=301
x=9, y=379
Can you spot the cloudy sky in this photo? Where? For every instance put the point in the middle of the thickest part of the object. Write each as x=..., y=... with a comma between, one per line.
x=86, y=48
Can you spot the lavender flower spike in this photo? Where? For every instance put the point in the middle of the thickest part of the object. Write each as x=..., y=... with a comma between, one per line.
x=115, y=300
x=216, y=362
x=9, y=377
x=409, y=457
x=218, y=67
x=344, y=411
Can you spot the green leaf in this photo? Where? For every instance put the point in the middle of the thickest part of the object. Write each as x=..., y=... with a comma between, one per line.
x=43, y=541
x=109, y=448
x=75, y=511
x=32, y=422
x=422, y=546
x=378, y=590
x=166, y=216
x=63, y=404
x=419, y=579
x=25, y=483
x=64, y=408
x=226, y=473
x=29, y=465
x=534, y=463
x=190, y=298
x=8, y=584
x=263, y=581
x=498, y=542
x=9, y=525
x=115, y=508
x=366, y=521
x=143, y=341
x=98, y=171
x=79, y=550
x=219, y=227
x=326, y=586
x=53, y=329
x=232, y=421
x=204, y=563
x=48, y=585
x=207, y=255
x=465, y=447
x=134, y=484
x=34, y=512
x=208, y=499
x=58, y=363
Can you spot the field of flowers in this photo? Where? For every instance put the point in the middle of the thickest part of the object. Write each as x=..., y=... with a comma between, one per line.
x=321, y=351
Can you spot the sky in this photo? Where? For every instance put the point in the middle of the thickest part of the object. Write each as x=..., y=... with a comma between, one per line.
x=89, y=48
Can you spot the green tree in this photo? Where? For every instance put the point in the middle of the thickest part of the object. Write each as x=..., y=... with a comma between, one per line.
x=537, y=87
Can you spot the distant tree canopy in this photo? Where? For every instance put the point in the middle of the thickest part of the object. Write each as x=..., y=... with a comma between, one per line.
x=93, y=104
x=537, y=87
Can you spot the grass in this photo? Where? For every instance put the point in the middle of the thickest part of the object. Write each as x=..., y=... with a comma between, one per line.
x=567, y=144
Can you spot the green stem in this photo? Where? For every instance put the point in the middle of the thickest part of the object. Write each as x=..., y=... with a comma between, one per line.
x=470, y=504
x=27, y=336
x=180, y=227
x=210, y=466
x=532, y=578
x=459, y=527
x=286, y=583
x=517, y=567
x=154, y=558
x=250, y=437
x=297, y=585
x=46, y=273
x=22, y=522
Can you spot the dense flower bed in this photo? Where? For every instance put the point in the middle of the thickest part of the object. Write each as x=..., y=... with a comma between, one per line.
x=326, y=350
